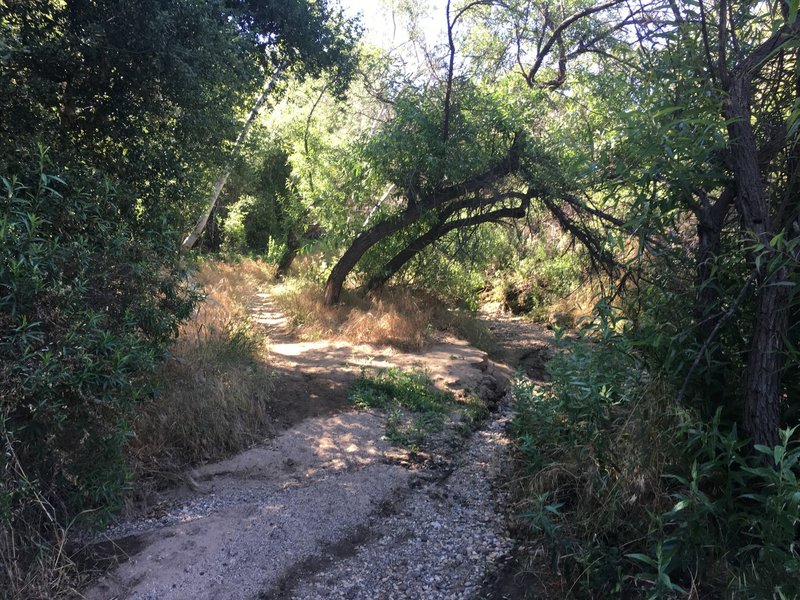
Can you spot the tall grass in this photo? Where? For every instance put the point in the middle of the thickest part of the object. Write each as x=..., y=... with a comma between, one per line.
x=213, y=391
x=401, y=317
x=34, y=563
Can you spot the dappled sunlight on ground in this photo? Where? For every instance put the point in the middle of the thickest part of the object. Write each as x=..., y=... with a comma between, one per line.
x=248, y=521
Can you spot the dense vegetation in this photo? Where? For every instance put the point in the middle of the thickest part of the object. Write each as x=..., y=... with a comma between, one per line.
x=116, y=118
x=542, y=153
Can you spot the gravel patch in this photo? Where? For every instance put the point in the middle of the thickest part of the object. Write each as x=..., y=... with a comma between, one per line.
x=442, y=539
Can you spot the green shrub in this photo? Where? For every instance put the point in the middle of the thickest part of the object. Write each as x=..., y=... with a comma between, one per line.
x=736, y=516
x=638, y=497
x=591, y=457
x=89, y=300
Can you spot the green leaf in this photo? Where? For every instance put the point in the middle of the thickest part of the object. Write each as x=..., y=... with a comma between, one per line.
x=763, y=449
x=681, y=505
x=667, y=111
x=648, y=560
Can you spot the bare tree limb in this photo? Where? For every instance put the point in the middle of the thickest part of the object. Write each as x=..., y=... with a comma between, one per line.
x=194, y=235
x=556, y=35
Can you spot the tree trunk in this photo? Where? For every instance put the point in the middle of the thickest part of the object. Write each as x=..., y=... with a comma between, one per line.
x=710, y=221
x=365, y=241
x=708, y=311
x=380, y=231
x=288, y=256
x=761, y=415
x=293, y=245
x=435, y=233
x=765, y=362
x=193, y=236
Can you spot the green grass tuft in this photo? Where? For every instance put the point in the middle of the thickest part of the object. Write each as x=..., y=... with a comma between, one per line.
x=399, y=393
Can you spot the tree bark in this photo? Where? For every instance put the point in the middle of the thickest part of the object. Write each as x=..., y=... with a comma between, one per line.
x=293, y=245
x=365, y=241
x=710, y=221
x=219, y=184
x=380, y=231
x=761, y=415
x=761, y=419
x=289, y=254
x=438, y=231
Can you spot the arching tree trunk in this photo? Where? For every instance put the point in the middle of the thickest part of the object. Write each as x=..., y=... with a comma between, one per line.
x=436, y=200
x=365, y=241
x=435, y=233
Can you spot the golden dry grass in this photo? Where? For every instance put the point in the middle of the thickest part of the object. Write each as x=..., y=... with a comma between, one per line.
x=568, y=312
x=213, y=391
x=405, y=319
x=34, y=563
x=394, y=317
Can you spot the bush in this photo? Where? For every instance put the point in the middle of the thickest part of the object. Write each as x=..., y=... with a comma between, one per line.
x=638, y=497
x=736, y=517
x=592, y=450
x=89, y=300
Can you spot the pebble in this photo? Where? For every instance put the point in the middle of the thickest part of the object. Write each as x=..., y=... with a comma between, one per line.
x=455, y=532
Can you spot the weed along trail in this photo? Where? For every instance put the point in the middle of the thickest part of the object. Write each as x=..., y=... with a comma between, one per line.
x=380, y=485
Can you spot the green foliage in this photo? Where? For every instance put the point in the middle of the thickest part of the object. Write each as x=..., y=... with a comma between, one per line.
x=539, y=273
x=88, y=304
x=635, y=498
x=412, y=390
x=736, y=513
x=411, y=145
x=138, y=104
x=395, y=391
x=260, y=207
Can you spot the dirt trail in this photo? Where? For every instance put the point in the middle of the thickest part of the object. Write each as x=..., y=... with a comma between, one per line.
x=328, y=509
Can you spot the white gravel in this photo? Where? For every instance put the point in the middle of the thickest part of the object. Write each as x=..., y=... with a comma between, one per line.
x=444, y=537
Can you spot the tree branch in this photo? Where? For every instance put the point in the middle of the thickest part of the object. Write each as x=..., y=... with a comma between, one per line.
x=556, y=35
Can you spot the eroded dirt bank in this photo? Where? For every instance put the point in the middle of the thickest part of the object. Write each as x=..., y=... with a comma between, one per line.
x=328, y=509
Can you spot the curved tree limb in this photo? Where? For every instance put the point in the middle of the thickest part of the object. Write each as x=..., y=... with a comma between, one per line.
x=555, y=37
x=435, y=200
x=438, y=231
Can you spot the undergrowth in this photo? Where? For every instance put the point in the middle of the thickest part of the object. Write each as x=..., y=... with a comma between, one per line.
x=400, y=394
x=212, y=393
x=89, y=304
x=634, y=496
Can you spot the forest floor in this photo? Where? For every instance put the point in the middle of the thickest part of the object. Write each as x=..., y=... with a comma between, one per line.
x=329, y=508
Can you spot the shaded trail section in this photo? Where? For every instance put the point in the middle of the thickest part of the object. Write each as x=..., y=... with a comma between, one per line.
x=328, y=509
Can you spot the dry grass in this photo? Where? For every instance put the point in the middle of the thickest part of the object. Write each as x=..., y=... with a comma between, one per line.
x=615, y=483
x=33, y=561
x=212, y=400
x=394, y=317
x=213, y=391
x=406, y=319
x=570, y=311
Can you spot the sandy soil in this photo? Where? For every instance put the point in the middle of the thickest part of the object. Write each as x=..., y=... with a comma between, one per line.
x=308, y=514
